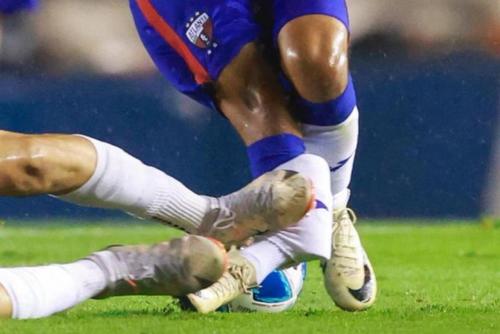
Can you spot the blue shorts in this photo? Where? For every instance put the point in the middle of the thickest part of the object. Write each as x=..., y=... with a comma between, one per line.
x=192, y=41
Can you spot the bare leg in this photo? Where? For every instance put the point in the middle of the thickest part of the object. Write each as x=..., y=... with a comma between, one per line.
x=250, y=95
x=44, y=164
x=314, y=55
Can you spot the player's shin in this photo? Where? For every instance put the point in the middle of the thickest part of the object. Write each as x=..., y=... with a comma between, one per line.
x=337, y=145
x=120, y=181
x=123, y=182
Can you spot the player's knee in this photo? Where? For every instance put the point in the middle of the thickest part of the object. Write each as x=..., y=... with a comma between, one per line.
x=314, y=56
x=318, y=72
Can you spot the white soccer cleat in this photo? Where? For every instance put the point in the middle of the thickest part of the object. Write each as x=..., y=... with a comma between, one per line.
x=270, y=203
x=348, y=276
x=174, y=268
x=238, y=279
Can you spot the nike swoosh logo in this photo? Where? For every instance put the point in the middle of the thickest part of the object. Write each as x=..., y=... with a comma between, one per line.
x=321, y=205
x=339, y=165
x=365, y=292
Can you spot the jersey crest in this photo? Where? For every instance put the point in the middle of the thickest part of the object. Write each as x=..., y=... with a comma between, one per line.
x=200, y=30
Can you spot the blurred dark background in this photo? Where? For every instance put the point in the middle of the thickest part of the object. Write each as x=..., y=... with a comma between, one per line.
x=428, y=82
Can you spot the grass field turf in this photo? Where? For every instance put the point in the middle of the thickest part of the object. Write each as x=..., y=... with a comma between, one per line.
x=433, y=278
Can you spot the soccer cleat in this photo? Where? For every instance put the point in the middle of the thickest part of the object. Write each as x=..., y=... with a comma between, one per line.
x=174, y=268
x=238, y=279
x=348, y=276
x=270, y=203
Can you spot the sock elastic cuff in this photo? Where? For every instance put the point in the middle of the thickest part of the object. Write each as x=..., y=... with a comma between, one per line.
x=311, y=130
x=328, y=113
x=178, y=212
x=101, y=149
x=268, y=153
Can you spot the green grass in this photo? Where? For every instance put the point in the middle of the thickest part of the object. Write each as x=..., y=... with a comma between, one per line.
x=433, y=279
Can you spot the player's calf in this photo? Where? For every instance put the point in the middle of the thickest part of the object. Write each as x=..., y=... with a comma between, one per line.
x=40, y=164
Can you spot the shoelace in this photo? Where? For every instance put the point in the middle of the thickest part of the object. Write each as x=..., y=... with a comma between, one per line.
x=234, y=280
x=242, y=274
x=343, y=219
x=346, y=213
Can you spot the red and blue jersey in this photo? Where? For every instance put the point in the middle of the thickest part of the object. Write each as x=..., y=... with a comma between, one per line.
x=192, y=41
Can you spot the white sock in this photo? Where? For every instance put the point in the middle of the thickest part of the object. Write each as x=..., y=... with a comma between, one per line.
x=265, y=256
x=336, y=144
x=37, y=292
x=310, y=238
x=123, y=182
